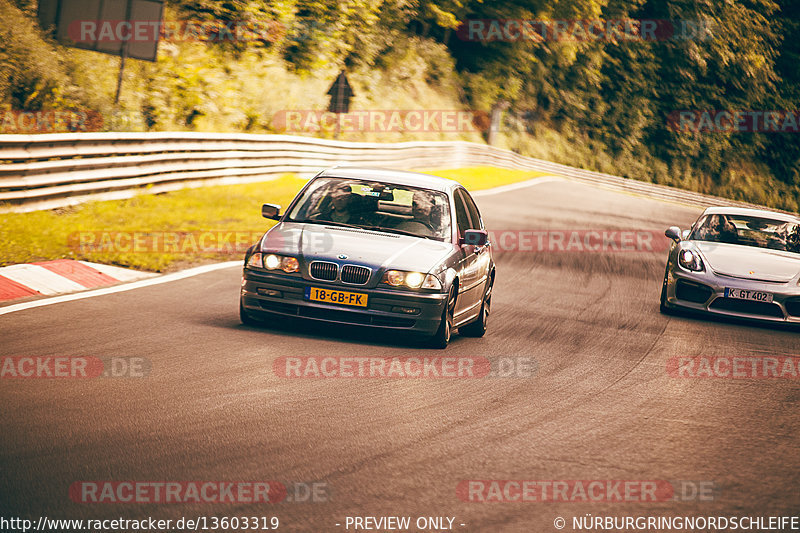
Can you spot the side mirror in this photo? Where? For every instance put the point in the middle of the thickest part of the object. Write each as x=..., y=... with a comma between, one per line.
x=674, y=233
x=476, y=237
x=272, y=211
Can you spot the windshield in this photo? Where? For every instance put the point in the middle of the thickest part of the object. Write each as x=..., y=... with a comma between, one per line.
x=375, y=205
x=749, y=231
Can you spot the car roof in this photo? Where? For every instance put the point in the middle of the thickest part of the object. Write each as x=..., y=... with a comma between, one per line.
x=747, y=211
x=396, y=177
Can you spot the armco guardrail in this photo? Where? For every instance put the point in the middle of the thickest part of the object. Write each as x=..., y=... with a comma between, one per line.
x=56, y=170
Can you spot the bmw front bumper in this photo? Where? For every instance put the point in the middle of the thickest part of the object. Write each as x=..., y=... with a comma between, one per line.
x=264, y=294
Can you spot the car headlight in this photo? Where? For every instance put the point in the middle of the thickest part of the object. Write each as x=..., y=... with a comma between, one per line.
x=272, y=261
x=290, y=264
x=690, y=260
x=255, y=260
x=414, y=280
x=286, y=263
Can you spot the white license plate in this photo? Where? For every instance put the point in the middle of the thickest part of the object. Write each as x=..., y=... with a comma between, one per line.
x=747, y=294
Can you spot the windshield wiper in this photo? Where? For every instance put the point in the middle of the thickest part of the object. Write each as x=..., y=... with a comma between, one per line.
x=325, y=223
x=399, y=231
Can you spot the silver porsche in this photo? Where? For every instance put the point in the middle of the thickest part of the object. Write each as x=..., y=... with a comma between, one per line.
x=736, y=262
x=386, y=249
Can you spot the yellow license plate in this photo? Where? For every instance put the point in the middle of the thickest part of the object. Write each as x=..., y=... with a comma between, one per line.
x=336, y=297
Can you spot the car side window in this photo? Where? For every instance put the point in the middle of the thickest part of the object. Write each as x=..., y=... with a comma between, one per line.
x=462, y=220
x=472, y=209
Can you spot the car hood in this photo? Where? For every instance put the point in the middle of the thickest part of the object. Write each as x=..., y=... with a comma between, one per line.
x=316, y=242
x=750, y=262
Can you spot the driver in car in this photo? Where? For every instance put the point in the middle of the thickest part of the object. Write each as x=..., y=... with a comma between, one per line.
x=793, y=239
x=786, y=238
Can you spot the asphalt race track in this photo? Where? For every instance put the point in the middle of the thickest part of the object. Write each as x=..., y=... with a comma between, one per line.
x=599, y=406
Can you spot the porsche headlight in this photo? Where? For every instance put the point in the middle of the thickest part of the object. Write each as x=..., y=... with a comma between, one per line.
x=414, y=280
x=690, y=260
x=286, y=263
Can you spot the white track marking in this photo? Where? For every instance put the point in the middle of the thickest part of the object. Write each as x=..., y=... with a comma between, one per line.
x=166, y=278
x=118, y=273
x=40, y=279
x=515, y=186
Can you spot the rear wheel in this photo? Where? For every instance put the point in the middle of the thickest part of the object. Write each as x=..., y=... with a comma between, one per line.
x=478, y=327
x=442, y=336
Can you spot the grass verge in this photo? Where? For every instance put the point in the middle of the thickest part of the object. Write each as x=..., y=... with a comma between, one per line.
x=218, y=214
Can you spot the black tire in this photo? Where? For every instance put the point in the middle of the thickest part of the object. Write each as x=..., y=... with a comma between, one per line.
x=477, y=328
x=663, y=306
x=442, y=336
x=246, y=319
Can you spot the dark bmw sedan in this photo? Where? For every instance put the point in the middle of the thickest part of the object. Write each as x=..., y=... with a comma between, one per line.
x=387, y=249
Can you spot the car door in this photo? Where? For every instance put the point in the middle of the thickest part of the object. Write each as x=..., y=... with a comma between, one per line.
x=483, y=253
x=467, y=299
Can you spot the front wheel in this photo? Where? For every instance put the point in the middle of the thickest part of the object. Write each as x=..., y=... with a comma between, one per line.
x=246, y=319
x=442, y=336
x=663, y=307
x=478, y=327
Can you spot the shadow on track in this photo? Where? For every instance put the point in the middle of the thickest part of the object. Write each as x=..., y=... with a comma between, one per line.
x=691, y=315
x=298, y=328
